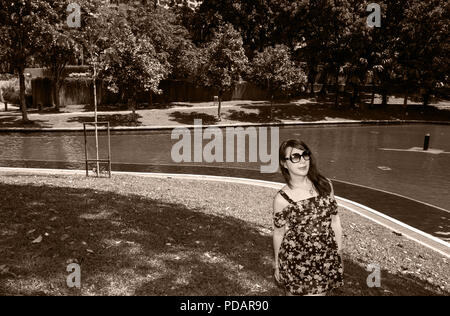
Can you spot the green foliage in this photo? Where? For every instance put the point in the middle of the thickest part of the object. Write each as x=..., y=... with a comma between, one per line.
x=424, y=39
x=170, y=39
x=274, y=70
x=22, y=24
x=132, y=65
x=255, y=20
x=127, y=60
x=411, y=46
x=133, y=50
x=10, y=90
x=223, y=60
x=58, y=47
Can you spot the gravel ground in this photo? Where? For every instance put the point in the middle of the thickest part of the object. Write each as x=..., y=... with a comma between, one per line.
x=147, y=236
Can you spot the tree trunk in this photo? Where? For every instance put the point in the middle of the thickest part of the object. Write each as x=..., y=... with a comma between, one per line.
x=271, y=106
x=372, y=100
x=150, y=100
x=133, y=108
x=426, y=97
x=405, y=101
x=384, y=97
x=57, y=71
x=56, y=88
x=352, y=99
x=311, y=79
x=121, y=95
x=355, y=95
x=336, y=101
x=23, y=105
x=219, y=114
x=52, y=99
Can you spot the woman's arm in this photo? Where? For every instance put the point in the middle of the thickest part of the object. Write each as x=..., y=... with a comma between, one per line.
x=279, y=204
x=337, y=228
x=336, y=225
x=278, y=235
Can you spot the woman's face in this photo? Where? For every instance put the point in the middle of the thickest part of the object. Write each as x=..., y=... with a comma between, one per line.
x=299, y=168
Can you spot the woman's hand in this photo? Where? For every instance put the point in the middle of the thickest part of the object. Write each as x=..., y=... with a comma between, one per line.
x=341, y=255
x=276, y=275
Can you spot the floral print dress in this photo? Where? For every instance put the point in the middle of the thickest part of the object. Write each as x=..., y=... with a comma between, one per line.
x=308, y=259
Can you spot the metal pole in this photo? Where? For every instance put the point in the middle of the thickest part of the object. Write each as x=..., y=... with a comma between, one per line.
x=109, y=151
x=426, y=143
x=85, y=150
x=95, y=121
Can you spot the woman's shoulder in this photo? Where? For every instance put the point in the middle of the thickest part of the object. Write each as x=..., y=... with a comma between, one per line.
x=279, y=201
x=281, y=192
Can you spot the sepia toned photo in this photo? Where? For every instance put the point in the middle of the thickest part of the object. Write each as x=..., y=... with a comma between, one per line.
x=224, y=153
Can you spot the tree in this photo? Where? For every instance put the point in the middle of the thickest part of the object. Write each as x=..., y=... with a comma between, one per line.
x=359, y=62
x=255, y=20
x=385, y=46
x=126, y=60
x=321, y=32
x=410, y=49
x=132, y=65
x=224, y=62
x=424, y=39
x=58, y=48
x=171, y=40
x=274, y=70
x=22, y=24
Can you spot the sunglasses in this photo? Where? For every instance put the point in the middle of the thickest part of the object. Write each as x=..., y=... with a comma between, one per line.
x=295, y=158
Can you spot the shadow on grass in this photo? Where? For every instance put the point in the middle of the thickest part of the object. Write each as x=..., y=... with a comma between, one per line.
x=325, y=109
x=113, y=119
x=189, y=117
x=103, y=107
x=263, y=115
x=279, y=113
x=141, y=106
x=16, y=121
x=133, y=245
x=171, y=105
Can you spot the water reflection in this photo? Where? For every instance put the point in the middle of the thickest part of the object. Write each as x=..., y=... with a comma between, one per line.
x=350, y=153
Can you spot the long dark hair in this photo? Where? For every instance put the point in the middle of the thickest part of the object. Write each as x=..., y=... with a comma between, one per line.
x=321, y=183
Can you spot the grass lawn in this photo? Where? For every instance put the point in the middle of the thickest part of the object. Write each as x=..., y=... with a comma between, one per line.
x=145, y=236
x=233, y=112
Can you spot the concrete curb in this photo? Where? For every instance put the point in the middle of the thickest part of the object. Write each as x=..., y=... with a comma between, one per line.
x=171, y=127
x=409, y=232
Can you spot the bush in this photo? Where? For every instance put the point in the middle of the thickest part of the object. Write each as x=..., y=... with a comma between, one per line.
x=11, y=96
x=11, y=92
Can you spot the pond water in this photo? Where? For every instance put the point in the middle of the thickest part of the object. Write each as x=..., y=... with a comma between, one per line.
x=374, y=156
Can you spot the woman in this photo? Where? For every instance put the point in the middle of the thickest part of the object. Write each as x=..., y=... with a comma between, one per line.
x=307, y=236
